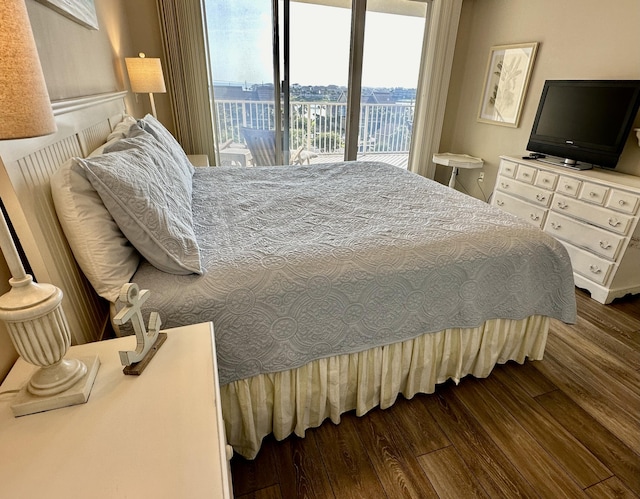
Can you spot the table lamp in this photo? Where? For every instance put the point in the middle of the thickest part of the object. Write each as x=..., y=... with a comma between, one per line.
x=145, y=75
x=35, y=320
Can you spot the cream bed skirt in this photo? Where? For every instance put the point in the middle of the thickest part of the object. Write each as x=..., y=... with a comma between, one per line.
x=292, y=401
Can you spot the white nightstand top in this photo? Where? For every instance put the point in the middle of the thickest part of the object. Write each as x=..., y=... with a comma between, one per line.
x=154, y=435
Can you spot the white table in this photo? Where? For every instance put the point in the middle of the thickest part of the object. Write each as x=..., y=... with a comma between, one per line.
x=456, y=161
x=157, y=435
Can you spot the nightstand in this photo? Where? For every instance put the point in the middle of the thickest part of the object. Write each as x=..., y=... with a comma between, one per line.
x=157, y=435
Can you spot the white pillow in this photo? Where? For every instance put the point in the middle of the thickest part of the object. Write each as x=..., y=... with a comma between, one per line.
x=121, y=130
x=102, y=251
x=150, y=200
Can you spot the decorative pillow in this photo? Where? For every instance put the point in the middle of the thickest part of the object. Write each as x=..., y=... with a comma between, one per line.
x=102, y=251
x=150, y=200
x=121, y=130
x=162, y=135
x=151, y=143
x=100, y=150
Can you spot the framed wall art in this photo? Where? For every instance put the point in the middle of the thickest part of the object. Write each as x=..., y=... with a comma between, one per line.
x=81, y=11
x=506, y=82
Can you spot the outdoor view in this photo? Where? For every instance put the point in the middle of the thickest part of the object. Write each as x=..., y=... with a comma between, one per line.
x=240, y=43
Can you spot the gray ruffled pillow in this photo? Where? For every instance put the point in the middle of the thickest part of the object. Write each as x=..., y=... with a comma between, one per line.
x=161, y=134
x=149, y=197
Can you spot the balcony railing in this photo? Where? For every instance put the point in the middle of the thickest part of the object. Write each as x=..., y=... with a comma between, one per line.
x=320, y=126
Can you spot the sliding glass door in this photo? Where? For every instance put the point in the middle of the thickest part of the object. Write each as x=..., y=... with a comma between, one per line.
x=393, y=40
x=240, y=36
x=324, y=80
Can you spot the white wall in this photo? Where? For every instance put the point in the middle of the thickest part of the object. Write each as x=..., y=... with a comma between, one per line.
x=579, y=39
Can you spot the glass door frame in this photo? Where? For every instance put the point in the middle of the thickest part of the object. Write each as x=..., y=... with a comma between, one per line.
x=354, y=85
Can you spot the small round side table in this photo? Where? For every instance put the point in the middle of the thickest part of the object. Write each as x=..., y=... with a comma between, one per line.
x=456, y=161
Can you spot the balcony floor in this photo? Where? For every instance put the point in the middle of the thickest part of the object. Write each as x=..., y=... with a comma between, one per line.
x=238, y=154
x=396, y=159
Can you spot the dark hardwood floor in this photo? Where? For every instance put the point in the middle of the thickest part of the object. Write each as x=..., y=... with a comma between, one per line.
x=566, y=426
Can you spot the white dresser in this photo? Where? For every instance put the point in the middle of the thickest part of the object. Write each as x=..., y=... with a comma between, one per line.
x=594, y=213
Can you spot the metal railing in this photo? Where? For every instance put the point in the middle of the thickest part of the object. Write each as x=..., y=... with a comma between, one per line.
x=320, y=126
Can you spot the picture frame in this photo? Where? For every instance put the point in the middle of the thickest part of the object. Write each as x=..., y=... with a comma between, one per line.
x=81, y=11
x=506, y=82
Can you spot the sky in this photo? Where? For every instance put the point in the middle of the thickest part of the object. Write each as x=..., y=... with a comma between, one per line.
x=240, y=44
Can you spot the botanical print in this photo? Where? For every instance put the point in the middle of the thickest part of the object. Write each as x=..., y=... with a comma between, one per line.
x=507, y=77
x=81, y=11
x=503, y=104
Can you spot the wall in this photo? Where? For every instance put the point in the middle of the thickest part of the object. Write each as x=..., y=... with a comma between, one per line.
x=77, y=61
x=144, y=36
x=8, y=354
x=579, y=39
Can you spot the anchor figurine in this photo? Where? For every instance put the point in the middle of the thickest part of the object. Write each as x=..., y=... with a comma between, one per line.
x=148, y=341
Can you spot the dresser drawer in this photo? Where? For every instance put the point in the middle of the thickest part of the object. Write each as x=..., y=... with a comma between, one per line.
x=585, y=236
x=532, y=214
x=525, y=191
x=508, y=169
x=569, y=186
x=616, y=222
x=590, y=266
x=593, y=193
x=526, y=174
x=546, y=180
x=623, y=201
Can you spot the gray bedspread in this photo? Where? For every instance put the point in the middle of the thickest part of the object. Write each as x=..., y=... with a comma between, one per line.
x=304, y=262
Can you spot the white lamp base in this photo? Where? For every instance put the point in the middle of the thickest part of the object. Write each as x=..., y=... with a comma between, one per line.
x=27, y=403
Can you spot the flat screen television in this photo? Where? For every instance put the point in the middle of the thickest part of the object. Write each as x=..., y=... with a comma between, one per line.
x=584, y=122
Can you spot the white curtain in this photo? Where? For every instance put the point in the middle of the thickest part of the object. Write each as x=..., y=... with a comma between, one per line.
x=440, y=41
x=183, y=38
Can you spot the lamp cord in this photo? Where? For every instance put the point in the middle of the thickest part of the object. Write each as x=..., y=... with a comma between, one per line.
x=8, y=392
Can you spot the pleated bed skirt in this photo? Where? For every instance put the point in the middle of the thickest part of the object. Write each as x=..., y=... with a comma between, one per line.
x=292, y=401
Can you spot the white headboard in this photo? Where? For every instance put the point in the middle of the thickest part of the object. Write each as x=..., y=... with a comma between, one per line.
x=25, y=168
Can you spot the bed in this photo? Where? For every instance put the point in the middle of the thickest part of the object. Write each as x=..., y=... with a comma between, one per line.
x=331, y=287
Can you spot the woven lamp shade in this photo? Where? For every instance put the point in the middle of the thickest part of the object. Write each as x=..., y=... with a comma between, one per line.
x=145, y=75
x=25, y=108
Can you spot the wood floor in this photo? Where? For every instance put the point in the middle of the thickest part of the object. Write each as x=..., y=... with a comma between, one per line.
x=566, y=426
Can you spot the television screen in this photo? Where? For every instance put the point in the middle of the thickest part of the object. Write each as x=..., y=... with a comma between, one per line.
x=585, y=122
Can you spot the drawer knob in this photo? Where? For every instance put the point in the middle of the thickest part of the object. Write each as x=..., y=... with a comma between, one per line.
x=622, y=202
x=614, y=222
x=525, y=175
x=541, y=197
x=567, y=187
x=605, y=245
x=500, y=202
x=545, y=180
x=555, y=225
x=593, y=194
x=595, y=269
x=562, y=205
x=504, y=185
x=534, y=217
